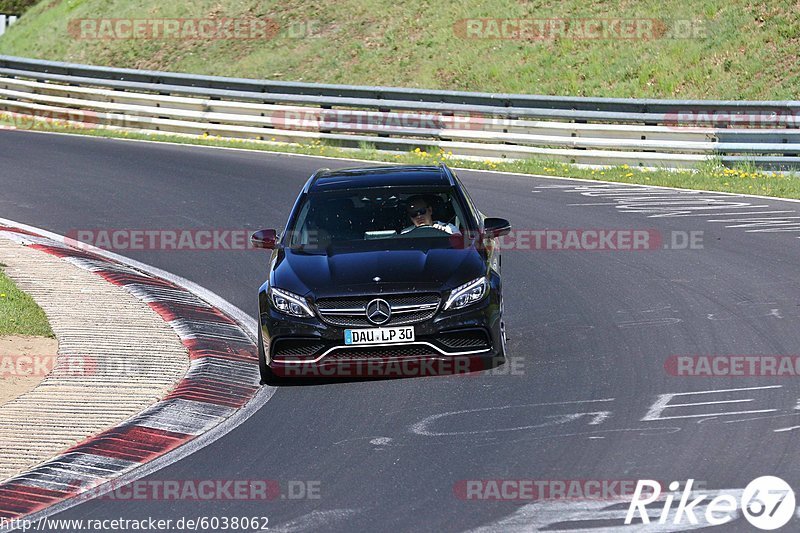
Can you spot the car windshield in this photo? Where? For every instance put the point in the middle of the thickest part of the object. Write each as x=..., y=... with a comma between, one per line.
x=376, y=215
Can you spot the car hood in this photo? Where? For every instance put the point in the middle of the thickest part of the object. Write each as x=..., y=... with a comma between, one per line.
x=354, y=271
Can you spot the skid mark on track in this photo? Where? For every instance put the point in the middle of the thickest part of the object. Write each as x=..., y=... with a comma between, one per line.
x=315, y=520
x=750, y=216
x=594, y=418
x=652, y=322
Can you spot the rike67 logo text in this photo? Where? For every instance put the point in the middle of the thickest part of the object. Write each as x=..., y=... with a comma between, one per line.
x=767, y=503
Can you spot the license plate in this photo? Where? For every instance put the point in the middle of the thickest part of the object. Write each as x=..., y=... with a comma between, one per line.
x=379, y=335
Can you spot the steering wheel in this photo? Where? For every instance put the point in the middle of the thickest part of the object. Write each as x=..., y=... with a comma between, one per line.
x=423, y=231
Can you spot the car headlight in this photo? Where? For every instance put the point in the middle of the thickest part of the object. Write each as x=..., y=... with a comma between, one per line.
x=289, y=303
x=468, y=294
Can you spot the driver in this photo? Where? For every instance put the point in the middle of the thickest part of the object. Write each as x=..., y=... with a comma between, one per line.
x=419, y=210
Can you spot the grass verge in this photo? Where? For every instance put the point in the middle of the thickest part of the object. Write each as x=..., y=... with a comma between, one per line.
x=19, y=314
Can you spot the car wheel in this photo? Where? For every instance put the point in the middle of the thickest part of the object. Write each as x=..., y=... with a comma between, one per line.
x=503, y=336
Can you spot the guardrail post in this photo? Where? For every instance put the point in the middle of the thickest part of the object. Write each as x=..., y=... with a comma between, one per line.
x=6, y=21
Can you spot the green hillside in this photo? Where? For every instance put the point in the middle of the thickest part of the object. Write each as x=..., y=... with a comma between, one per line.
x=702, y=49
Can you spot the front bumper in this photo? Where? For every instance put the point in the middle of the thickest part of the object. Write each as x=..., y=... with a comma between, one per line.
x=451, y=342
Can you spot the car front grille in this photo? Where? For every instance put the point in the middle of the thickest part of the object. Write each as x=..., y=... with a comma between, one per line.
x=469, y=339
x=351, y=311
x=299, y=349
x=381, y=352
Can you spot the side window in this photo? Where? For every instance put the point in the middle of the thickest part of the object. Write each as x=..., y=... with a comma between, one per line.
x=299, y=234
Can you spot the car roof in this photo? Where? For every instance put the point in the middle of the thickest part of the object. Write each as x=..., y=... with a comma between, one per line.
x=380, y=176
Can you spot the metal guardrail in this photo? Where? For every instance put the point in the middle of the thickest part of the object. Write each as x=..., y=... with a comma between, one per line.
x=598, y=131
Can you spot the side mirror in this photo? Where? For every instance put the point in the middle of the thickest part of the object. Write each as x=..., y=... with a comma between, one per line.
x=264, y=238
x=496, y=227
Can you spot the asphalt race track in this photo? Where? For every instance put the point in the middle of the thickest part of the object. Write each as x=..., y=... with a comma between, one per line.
x=590, y=333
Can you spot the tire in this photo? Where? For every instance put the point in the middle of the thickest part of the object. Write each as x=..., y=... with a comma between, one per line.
x=503, y=337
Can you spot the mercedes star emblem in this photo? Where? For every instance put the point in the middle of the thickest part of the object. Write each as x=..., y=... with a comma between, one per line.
x=378, y=311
